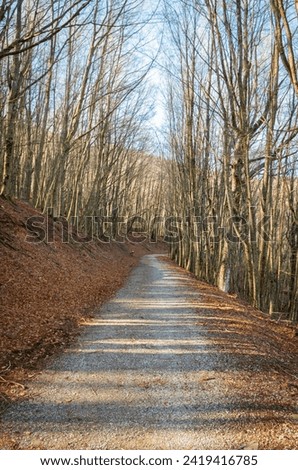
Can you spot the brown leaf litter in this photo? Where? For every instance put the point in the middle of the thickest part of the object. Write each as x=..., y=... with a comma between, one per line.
x=48, y=290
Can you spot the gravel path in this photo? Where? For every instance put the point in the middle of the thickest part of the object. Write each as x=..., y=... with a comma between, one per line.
x=145, y=374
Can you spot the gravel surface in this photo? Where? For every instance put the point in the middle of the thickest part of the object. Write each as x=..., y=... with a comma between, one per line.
x=145, y=374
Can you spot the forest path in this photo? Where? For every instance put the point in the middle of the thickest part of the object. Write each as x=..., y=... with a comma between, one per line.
x=148, y=372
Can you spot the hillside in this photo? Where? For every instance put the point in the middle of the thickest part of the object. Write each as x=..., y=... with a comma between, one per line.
x=47, y=290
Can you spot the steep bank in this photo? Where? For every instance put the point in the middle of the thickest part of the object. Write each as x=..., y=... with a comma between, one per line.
x=48, y=289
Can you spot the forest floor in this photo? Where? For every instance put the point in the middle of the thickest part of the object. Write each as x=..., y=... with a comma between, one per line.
x=48, y=289
x=167, y=363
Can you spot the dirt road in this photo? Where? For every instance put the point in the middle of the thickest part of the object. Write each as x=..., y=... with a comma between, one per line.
x=145, y=374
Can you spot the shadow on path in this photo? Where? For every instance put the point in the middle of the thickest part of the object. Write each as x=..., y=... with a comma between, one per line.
x=147, y=373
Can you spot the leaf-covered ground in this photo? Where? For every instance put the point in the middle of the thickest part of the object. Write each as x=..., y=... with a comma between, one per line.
x=167, y=363
x=47, y=289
